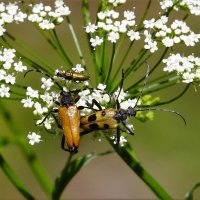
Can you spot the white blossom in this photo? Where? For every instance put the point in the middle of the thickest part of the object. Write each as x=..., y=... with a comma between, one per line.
x=33, y=138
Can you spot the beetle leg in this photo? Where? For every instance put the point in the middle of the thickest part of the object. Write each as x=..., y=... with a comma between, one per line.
x=63, y=144
x=50, y=112
x=56, y=120
x=94, y=102
x=129, y=130
x=118, y=135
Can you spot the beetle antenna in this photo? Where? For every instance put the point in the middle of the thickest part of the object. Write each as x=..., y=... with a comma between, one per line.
x=162, y=109
x=144, y=85
x=37, y=70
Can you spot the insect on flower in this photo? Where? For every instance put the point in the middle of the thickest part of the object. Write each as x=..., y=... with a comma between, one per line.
x=68, y=112
x=110, y=118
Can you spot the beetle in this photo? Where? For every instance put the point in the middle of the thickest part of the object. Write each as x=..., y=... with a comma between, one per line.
x=110, y=118
x=72, y=75
x=68, y=114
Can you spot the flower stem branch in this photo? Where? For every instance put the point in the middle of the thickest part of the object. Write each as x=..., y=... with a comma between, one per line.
x=76, y=42
x=14, y=179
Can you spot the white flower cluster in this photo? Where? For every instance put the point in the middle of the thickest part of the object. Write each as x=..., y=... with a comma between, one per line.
x=46, y=17
x=178, y=32
x=188, y=68
x=10, y=13
x=109, y=24
x=9, y=68
x=192, y=5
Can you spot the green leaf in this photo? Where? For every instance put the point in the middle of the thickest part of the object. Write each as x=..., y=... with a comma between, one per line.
x=189, y=194
x=71, y=168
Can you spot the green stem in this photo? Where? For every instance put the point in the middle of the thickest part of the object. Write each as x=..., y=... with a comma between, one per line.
x=155, y=66
x=175, y=98
x=111, y=64
x=144, y=15
x=76, y=42
x=67, y=59
x=121, y=64
x=14, y=179
x=31, y=158
x=128, y=156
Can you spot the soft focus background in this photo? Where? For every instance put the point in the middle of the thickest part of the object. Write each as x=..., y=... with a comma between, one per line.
x=167, y=148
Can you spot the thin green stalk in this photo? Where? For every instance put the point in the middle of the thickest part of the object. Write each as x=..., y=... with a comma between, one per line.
x=14, y=179
x=155, y=66
x=120, y=65
x=67, y=59
x=104, y=59
x=174, y=98
x=28, y=50
x=27, y=60
x=51, y=41
x=111, y=64
x=127, y=154
x=76, y=42
x=144, y=15
x=31, y=158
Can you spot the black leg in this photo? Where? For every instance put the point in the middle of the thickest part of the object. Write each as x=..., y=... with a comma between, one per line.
x=56, y=120
x=129, y=130
x=94, y=102
x=63, y=144
x=118, y=135
x=51, y=111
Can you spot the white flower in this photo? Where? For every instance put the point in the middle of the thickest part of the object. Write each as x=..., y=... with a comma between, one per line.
x=129, y=15
x=101, y=86
x=34, y=138
x=96, y=41
x=149, y=23
x=78, y=68
x=133, y=35
x=10, y=79
x=32, y=93
x=39, y=110
x=28, y=103
x=4, y=91
x=168, y=42
x=46, y=83
x=46, y=24
x=19, y=67
x=90, y=28
x=113, y=37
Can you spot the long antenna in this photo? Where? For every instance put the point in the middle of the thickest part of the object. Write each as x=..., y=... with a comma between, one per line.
x=144, y=85
x=163, y=109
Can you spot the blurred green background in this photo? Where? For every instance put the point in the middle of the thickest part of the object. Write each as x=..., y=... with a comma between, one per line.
x=167, y=148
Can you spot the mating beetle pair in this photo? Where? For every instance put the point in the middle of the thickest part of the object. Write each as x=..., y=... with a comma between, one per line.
x=71, y=122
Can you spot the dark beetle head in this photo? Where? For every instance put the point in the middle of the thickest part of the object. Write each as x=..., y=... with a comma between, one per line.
x=66, y=99
x=131, y=111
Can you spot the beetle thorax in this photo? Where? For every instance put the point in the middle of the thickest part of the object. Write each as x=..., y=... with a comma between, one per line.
x=122, y=115
x=66, y=99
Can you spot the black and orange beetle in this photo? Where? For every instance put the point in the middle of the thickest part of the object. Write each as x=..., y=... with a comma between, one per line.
x=110, y=118
x=68, y=112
